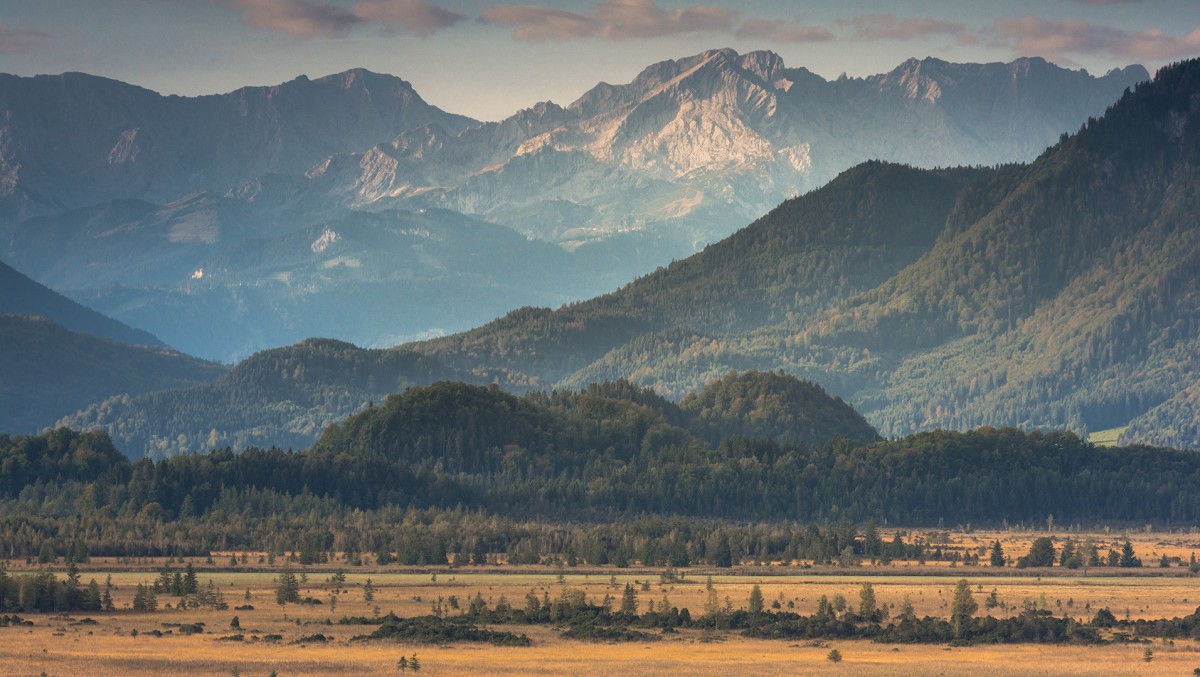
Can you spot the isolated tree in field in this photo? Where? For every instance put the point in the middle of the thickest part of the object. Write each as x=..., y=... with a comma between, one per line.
x=368, y=591
x=997, y=558
x=287, y=588
x=1128, y=559
x=414, y=663
x=1041, y=554
x=962, y=608
x=866, y=601
x=834, y=656
x=756, y=600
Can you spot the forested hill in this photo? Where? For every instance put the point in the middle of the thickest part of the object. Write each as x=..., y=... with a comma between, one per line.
x=282, y=397
x=46, y=369
x=464, y=428
x=1061, y=294
x=611, y=452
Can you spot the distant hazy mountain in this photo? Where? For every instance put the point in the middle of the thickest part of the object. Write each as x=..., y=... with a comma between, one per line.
x=73, y=140
x=20, y=295
x=217, y=279
x=47, y=371
x=200, y=219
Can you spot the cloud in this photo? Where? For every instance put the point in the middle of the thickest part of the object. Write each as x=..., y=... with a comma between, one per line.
x=888, y=27
x=14, y=41
x=312, y=19
x=1109, y=2
x=1031, y=35
x=539, y=23
x=609, y=20
x=787, y=30
x=301, y=18
x=415, y=16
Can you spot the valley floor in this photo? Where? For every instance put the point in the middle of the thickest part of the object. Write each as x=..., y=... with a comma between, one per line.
x=283, y=639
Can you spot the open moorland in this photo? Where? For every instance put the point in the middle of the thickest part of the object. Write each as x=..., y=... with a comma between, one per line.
x=236, y=625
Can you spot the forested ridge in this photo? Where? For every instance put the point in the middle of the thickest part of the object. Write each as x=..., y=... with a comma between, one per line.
x=614, y=453
x=46, y=369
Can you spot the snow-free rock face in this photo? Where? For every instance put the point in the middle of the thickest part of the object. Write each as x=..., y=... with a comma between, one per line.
x=708, y=142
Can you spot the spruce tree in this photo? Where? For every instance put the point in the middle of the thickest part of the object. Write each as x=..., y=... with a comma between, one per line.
x=997, y=555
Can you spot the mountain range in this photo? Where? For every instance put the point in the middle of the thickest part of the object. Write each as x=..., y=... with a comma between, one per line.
x=260, y=217
x=1059, y=293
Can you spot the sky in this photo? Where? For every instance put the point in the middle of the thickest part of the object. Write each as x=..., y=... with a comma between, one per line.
x=489, y=59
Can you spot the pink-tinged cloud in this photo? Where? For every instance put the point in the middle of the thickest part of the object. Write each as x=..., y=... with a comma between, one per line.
x=888, y=27
x=609, y=20
x=13, y=41
x=786, y=30
x=301, y=18
x=415, y=16
x=539, y=23
x=1031, y=35
x=316, y=19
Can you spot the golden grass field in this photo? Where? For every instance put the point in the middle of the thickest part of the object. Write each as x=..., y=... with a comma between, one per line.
x=62, y=645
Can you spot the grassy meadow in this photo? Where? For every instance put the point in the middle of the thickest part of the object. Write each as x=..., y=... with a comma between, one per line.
x=280, y=638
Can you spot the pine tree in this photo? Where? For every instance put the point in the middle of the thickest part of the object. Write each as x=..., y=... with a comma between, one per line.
x=287, y=588
x=997, y=558
x=368, y=591
x=190, y=584
x=1128, y=559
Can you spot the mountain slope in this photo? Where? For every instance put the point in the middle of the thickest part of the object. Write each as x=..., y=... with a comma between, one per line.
x=48, y=371
x=20, y=295
x=1057, y=294
x=801, y=258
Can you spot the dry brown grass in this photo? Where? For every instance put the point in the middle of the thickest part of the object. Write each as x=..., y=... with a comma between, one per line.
x=61, y=646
